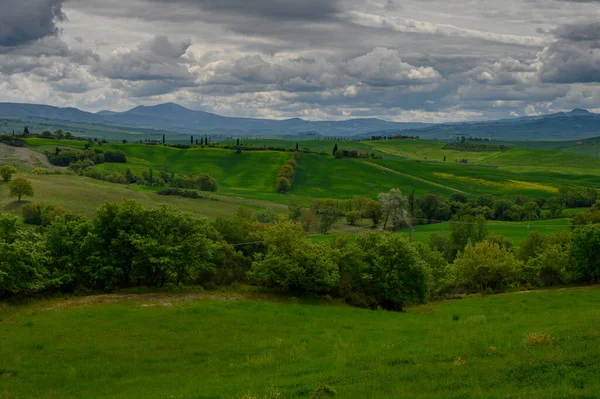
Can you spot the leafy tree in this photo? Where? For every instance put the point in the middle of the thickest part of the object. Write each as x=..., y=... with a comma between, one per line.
x=434, y=207
x=293, y=262
x=556, y=206
x=129, y=176
x=26, y=131
x=437, y=265
x=393, y=204
x=7, y=172
x=294, y=210
x=392, y=271
x=283, y=184
x=266, y=215
x=585, y=255
x=412, y=210
x=465, y=230
x=531, y=246
x=485, y=265
x=327, y=218
x=42, y=214
x=9, y=227
x=458, y=197
x=207, y=183
x=59, y=134
x=69, y=136
x=20, y=187
x=549, y=267
x=309, y=221
x=486, y=201
x=22, y=264
x=352, y=217
x=115, y=156
x=286, y=171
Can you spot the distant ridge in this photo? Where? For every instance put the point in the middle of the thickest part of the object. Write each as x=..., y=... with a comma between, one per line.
x=171, y=117
x=176, y=118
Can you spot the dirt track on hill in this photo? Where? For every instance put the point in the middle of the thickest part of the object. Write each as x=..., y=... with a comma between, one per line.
x=23, y=157
x=415, y=177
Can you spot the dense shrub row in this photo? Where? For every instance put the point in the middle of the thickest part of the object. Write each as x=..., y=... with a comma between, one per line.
x=182, y=193
x=470, y=146
x=285, y=178
x=126, y=245
x=12, y=140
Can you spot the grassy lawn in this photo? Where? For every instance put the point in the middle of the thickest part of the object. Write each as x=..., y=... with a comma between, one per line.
x=223, y=345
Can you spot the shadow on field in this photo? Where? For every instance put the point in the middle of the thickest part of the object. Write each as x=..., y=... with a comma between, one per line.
x=15, y=205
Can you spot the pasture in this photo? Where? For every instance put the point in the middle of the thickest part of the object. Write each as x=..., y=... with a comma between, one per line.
x=83, y=195
x=223, y=344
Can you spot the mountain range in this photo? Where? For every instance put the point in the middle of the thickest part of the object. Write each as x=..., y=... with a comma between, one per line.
x=174, y=118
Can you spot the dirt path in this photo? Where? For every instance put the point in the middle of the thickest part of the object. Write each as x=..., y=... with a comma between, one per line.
x=24, y=157
x=417, y=178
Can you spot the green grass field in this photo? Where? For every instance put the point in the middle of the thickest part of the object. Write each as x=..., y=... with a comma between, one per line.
x=516, y=232
x=83, y=195
x=224, y=345
x=410, y=164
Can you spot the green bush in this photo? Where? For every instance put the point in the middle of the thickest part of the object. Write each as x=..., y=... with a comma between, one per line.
x=7, y=172
x=585, y=254
x=486, y=266
x=294, y=263
x=115, y=156
x=42, y=214
x=549, y=267
x=283, y=185
x=389, y=270
x=207, y=183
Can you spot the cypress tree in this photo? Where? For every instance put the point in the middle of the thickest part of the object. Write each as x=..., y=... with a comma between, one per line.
x=192, y=140
x=164, y=140
x=296, y=146
x=335, y=149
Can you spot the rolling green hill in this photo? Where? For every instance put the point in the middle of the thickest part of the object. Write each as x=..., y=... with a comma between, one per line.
x=406, y=165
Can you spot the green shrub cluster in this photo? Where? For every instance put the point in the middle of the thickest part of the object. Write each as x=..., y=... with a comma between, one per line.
x=285, y=178
x=12, y=140
x=122, y=246
x=42, y=214
x=182, y=193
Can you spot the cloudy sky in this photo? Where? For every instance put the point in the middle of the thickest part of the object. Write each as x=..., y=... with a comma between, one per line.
x=401, y=60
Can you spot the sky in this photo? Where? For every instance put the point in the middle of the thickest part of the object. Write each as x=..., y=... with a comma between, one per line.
x=398, y=60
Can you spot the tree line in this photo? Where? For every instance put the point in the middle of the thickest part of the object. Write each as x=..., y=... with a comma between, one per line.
x=126, y=245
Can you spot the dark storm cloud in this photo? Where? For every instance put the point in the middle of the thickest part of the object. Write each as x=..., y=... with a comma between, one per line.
x=574, y=57
x=579, y=32
x=308, y=10
x=155, y=59
x=24, y=21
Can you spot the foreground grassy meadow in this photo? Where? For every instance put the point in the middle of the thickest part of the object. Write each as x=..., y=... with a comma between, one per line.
x=227, y=345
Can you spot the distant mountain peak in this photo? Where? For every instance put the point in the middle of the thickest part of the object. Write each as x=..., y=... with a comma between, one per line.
x=580, y=111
